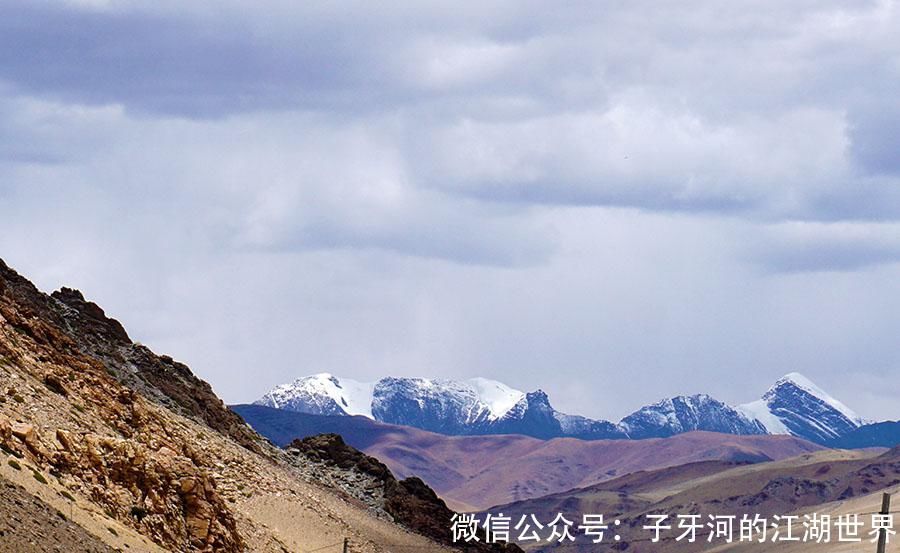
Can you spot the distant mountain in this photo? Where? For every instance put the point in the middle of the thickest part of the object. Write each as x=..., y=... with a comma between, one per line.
x=879, y=434
x=796, y=406
x=478, y=406
x=322, y=394
x=687, y=413
x=445, y=406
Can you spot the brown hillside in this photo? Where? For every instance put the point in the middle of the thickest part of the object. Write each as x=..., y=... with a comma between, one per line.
x=476, y=472
x=142, y=455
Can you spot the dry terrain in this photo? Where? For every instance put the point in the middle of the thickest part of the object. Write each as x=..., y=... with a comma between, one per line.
x=28, y=524
x=142, y=456
x=830, y=480
x=864, y=505
x=477, y=472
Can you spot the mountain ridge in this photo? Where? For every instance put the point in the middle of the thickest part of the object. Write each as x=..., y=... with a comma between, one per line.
x=794, y=405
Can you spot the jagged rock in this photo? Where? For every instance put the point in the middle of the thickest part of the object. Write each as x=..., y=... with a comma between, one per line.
x=53, y=383
x=28, y=435
x=179, y=498
x=24, y=432
x=70, y=325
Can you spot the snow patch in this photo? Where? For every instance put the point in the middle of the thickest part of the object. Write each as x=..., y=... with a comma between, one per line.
x=484, y=398
x=762, y=411
x=355, y=398
x=759, y=410
x=496, y=396
x=808, y=386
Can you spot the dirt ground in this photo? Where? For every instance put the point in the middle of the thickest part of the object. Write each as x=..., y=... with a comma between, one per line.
x=28, y=525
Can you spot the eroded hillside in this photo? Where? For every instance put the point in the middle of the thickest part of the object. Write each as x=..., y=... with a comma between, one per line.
x=142, y=455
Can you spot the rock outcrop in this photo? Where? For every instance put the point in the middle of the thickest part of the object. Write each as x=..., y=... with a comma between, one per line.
x=410, y=502
x=166, y=494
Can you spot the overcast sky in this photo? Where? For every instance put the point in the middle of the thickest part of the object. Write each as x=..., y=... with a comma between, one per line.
x=612, y=201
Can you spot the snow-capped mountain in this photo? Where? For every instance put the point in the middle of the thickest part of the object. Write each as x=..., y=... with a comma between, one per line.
x=322, y=394
x=794, y=405
x=445, y=406
x=456, y=407
x=534, y=416
x=685, y=414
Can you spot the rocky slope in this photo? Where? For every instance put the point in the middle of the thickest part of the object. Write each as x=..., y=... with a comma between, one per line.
x=28, y=525
x=64, y=411
x=408, y=501
x=478, y=406
x=141, y=454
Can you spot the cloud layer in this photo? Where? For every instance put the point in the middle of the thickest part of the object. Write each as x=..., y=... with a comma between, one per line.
x=514, y=190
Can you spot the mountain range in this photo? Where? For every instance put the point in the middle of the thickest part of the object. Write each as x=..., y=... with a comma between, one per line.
x=794, y=405
x=475, y=472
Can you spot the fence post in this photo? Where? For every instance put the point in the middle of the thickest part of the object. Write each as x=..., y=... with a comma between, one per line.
x=885, y=510
x=346, y=545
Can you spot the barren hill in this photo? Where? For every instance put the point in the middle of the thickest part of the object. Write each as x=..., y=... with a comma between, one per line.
x=141, y=455
x=816, y=482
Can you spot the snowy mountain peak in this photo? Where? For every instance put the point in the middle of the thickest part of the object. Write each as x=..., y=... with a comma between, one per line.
x=795, y=405
x=808, y=386
x=498, y=397
x=474, y=400
x=322, y=394
x=685, y=414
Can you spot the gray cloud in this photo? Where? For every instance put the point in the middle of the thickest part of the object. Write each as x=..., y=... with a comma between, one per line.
x=875, y=136
x=552, y=196
x=769, y=110
x=181, y=65
x=793, y=247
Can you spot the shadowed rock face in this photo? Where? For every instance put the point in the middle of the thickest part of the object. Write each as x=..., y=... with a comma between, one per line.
x=409, y=502
x=879, y=434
